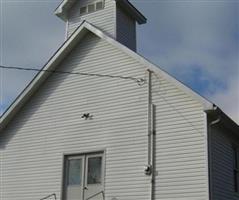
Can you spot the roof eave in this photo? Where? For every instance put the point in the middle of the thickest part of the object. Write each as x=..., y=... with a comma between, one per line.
x=217, y=113
x=137, y=15
x=130, y=8
x=60, y=11
x=61, y=16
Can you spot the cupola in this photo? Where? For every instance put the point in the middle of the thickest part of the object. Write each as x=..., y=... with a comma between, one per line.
x=117, y=18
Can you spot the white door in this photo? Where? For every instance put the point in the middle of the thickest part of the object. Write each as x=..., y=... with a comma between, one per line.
x=94, y=174
x=84, y=179
x=74, y=180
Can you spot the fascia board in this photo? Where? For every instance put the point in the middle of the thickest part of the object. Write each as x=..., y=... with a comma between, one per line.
x=207, y=105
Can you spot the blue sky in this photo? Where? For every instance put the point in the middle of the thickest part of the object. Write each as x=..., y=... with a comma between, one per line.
x=195, y=41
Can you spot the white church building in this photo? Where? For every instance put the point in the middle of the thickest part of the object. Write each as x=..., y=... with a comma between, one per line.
x=100, y=122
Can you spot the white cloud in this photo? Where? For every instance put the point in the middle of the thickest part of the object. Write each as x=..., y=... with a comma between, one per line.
x=196, y=38
x=180, y=36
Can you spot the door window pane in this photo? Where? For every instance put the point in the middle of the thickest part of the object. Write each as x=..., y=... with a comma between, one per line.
x=74, y=172
x=94, y=170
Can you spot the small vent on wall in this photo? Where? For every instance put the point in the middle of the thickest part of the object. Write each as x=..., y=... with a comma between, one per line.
x=86, y=9
x=99, y=5
x=91, y=8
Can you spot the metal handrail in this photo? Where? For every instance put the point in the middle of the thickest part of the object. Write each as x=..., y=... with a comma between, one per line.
x=101, y=192
x=51, y=195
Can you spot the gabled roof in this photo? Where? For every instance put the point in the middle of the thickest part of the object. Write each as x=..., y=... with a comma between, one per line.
x=61, y=10
x=67, y=46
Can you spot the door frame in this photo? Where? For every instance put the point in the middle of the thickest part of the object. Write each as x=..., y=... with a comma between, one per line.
x=84, y=153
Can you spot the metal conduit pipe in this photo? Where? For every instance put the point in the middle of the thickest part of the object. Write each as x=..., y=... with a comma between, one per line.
x=149, y=120
x=149, y=169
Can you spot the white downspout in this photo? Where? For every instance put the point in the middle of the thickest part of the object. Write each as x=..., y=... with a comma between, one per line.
x=212, y=123
x=215, y=121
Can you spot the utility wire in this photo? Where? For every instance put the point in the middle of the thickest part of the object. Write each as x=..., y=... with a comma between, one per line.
x=161, y=94
x=139, y=81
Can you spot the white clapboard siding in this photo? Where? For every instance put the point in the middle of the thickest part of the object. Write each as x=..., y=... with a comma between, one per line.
x=181, y=154
x=50, y=124
x=126, y=29
x=104, y=19
x=222, y=164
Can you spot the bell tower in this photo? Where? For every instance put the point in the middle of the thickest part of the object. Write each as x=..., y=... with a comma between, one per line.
x=117, y=18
